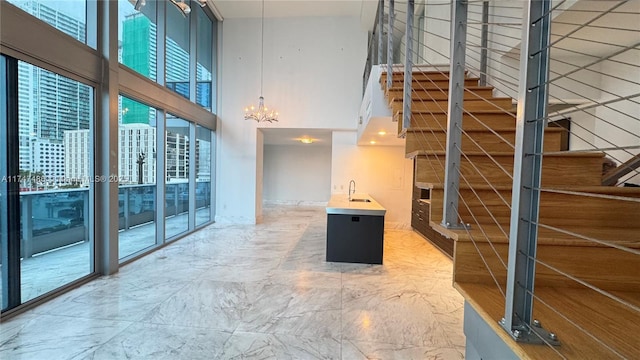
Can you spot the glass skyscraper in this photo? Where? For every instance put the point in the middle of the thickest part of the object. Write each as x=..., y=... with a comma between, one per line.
x=49, y=104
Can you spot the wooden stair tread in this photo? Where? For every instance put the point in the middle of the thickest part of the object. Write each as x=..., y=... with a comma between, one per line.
x=466, y=88
x=480, y=111
x=613, y=323
x=473, y=153
x=487, y=100
x=546, y=237
x=498, y=130
x=632, y=192
x=415, y=70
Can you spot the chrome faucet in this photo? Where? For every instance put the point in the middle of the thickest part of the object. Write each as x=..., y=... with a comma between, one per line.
x=354, y=188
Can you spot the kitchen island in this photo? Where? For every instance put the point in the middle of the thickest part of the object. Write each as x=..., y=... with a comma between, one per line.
x=355, y=229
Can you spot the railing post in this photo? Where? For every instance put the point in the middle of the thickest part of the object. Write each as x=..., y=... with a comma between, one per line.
x=125, y=208
x=390, y=46
x=454, y=115
x=27, y=226
x=176, y=194
x=380, y=31
x=86, y=215
x=408, y=68
x=527, y=171
x=484, y=43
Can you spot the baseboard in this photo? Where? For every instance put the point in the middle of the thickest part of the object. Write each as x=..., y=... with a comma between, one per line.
x=243, y=220
x=295, y=202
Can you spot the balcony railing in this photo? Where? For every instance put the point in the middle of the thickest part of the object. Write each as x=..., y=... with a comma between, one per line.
x=53, y=219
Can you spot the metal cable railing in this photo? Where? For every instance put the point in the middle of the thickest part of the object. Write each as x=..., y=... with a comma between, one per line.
x=423, y=136
x=587, y=108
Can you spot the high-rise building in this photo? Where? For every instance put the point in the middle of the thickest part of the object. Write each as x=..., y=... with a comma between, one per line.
x=47, y=160
x=137, y=163
x=177, y=158
x=138, y=49
x=76, y=157
x=49, y=104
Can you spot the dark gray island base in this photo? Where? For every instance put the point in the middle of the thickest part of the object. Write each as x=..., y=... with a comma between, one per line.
x=355, y=230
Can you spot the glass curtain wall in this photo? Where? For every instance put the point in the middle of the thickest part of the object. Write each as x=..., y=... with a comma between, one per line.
x=177, y=50
x=4, y=187
x=68, y=16
x=137, y=175
x=137, y=37
x=203, y=163
x=55, y=121
x=204, y=63
x=176, y=176
x=49, y=217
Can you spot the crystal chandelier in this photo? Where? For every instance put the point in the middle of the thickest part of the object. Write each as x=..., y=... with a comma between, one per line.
x=262, y=113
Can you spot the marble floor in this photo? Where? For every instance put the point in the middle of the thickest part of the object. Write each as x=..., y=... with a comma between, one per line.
x=254, y=292
x=50, y=270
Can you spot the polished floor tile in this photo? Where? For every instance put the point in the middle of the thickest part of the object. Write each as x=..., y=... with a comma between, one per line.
x=259, y=291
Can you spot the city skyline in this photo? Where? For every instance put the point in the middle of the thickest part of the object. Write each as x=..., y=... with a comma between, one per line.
x=56, y=113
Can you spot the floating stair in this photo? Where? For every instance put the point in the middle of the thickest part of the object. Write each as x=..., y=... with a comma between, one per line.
x=574, y=210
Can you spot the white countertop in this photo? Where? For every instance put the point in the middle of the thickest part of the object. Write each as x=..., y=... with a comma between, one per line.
x=340, y=204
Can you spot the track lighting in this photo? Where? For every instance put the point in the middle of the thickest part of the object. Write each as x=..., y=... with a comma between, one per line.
x=181, y=5
x=184, y=8
x=140, y=4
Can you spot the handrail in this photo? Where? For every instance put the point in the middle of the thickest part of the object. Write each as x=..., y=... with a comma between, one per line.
x=611, y=177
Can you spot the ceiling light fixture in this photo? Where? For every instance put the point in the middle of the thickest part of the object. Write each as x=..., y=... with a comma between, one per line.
x=382, y=133
x=262, y=113
x=139, y=4
x=372, y=142
x=306, y=140
x=182, y=6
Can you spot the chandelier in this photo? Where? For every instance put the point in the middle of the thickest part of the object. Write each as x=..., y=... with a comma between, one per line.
x=262, y=113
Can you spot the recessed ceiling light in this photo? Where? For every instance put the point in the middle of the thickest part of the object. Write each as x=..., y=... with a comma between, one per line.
x=382, y=133
x=372, y=142
x=306, y=140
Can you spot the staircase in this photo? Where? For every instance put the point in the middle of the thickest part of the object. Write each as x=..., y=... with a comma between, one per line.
x=576, y=203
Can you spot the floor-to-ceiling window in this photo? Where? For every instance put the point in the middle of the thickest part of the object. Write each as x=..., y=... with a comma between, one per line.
x=176, y=176
x=53, y=174
x=137, y=37
x=177, y=51
x=64, y=147
x=68, y=16
x=204, y=63
x=56, y=168
x=204, y=167
x=4, y=186
x=137, y=177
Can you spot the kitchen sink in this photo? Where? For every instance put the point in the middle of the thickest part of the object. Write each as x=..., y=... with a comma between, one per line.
x=360, y=200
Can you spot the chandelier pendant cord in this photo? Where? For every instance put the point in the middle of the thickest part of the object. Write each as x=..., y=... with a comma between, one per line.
x=262, y=50
x=261, y=114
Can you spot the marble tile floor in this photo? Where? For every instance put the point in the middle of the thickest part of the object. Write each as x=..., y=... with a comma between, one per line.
x=254, y=292
x=49, y=270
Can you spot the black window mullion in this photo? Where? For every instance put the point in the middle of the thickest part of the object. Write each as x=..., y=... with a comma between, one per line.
x=10, y=186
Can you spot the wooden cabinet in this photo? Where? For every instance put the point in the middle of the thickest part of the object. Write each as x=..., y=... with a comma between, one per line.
x=420, y=215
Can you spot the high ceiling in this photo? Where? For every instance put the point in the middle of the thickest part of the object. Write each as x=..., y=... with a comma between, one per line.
x=299, y=8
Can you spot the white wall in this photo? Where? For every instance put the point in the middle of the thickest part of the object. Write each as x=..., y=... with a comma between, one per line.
x=437, y=48
x=618, y=122
x=312, y=75
x=295, y=173
x=259, y=173
x=381, y=171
